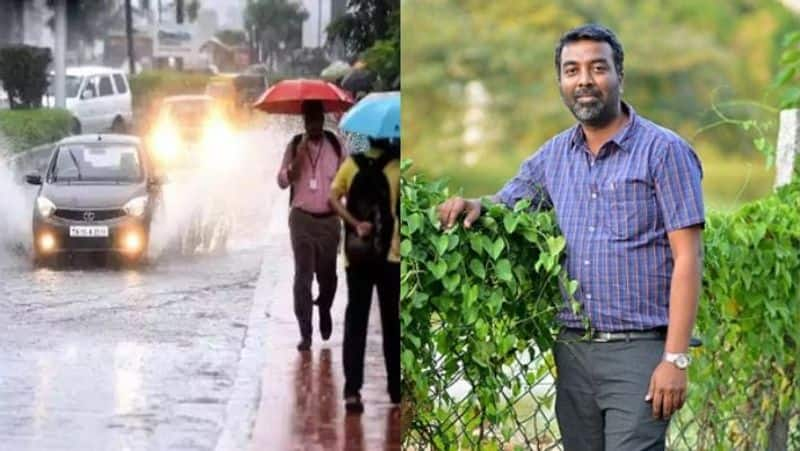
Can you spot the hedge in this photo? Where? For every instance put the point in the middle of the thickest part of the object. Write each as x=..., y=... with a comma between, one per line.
x=149, y=87
x=23, y=129
x=477, y=307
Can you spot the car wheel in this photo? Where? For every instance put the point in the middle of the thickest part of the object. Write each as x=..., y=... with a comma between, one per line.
x=118, y=126
x=76, y=126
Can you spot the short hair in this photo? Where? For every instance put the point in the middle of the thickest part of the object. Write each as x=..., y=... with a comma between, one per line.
x=312, y=108
x=591, y=32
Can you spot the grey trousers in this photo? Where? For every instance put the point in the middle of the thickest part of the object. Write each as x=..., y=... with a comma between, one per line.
x=600, y=393
x=314, y=243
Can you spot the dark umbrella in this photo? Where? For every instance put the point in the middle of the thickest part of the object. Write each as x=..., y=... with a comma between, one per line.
x=359, y=81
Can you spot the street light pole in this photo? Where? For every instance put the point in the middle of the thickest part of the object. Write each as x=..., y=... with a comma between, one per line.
x=129, y=35
x=319, y=23
x=60, y=51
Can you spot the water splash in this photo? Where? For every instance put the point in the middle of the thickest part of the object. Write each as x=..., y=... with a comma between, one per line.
x=16, y=203
x=226, y=197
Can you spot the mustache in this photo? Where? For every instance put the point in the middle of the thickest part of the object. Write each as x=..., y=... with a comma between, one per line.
x=585, y=92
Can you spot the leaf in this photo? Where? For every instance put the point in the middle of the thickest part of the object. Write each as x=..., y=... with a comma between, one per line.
x=453, y=241
x=556, y=244
x=405, y=248
x=503, y=270
x=497, y=248
x=475, y=243
x=477, y=268
x=510, y=223
x=414, y=222
x=438, y=269
x=441, y=244
x=451, y=282
x=572, y=287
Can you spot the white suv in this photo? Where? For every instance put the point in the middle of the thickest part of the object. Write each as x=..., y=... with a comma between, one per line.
x=99, y=99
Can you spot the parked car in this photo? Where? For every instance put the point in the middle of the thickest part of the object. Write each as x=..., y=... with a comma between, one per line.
x=98, y=194
x=99, y=99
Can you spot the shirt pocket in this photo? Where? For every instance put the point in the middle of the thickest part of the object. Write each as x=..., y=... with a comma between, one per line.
x=629, y=208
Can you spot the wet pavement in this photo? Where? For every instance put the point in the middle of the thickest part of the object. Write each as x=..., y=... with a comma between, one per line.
x=161, y=357
x=301, y=406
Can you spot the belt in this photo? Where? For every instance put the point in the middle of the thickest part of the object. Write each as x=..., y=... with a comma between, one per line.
x=317, y=215
x=606, y=337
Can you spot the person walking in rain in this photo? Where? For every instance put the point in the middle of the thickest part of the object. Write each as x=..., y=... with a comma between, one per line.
x=310, y=163
x=369, y=184
x=627, y=196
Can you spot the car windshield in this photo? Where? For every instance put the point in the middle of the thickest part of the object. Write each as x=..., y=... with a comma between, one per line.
x=118, y=163
x=189, y=111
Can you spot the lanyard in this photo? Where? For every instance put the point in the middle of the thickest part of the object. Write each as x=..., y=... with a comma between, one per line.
x=315, y=161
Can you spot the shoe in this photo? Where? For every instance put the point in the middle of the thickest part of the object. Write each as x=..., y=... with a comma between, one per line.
x=352, y=404
x=325, y=323
x=304, y=345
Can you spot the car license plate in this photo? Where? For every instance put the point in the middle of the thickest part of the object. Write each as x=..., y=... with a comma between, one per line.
x=88, y=231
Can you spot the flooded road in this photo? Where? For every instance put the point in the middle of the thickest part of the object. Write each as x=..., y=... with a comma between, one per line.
x=189, y=352
x=103, y=358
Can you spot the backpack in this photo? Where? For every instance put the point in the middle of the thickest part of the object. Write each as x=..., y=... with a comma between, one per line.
x=337, y=147
x=369, y=199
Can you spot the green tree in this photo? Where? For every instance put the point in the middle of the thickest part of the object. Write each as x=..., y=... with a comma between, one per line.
x=480, y=90
x=23, y=73
x=277, y=25
x=371, y=29
x=87, y=20
x=366, y=22
x=232, y=37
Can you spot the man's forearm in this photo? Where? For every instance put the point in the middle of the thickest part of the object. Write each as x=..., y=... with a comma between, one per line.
x=342, y=211
x=684, y=293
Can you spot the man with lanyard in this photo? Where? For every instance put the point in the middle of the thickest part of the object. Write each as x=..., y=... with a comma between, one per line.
x=309, y=164
x=627, y=196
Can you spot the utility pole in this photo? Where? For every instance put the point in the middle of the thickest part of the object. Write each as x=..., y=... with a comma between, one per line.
x=129, y=35
x=319, y=23
x=179, y=21
x=60, y=50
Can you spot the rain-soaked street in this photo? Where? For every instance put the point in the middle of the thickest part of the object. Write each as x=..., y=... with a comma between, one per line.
x=180, y=353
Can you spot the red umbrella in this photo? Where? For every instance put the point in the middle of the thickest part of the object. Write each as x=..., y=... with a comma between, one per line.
x=287, y=96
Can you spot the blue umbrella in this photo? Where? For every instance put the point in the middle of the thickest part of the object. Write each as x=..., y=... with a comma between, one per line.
x=376, y=115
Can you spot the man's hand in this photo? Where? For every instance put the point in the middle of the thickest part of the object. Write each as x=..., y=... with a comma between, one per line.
x=364, y=229
x=451, y=209
x=667, y=390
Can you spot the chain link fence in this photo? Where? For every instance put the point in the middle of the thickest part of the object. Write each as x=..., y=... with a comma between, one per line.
x=524, y=416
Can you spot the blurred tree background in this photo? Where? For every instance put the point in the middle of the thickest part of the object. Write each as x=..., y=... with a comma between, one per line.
x=480, y=90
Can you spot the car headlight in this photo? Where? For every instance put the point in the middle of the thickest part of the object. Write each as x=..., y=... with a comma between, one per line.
x=136, y=206
x=165, y=142
x=45, y=206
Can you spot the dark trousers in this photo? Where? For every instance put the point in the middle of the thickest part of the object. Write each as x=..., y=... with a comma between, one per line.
x=600, y=394
x=314, y=243
x=360, y=281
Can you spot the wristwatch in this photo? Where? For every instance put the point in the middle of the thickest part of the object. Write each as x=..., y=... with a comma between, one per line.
x=679, y=359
